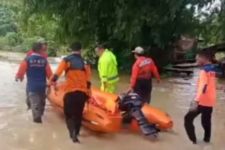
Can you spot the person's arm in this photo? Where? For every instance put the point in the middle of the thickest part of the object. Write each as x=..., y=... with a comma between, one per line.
x=61, y=68
x=134, y=75
x=22, y=70
x=48, y=71
x=202, y=85
x=103, y=70
x=88, y=75
x=88, y=78
x=155, y=71
x=88, y=71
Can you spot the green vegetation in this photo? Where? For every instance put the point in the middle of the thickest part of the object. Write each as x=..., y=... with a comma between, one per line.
x=121, y=24
x=7, y=25
x=213, y=26
x=22, y=29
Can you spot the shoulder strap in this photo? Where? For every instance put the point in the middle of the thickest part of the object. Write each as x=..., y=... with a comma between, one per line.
x=76, y=62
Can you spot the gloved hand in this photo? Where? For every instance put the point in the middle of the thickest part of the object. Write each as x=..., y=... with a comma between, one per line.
x=19, y=79
x=89, y=85
x=193, y=106
x=51, y=83
x=89, y=89
x=89, y=93
x=129, y=90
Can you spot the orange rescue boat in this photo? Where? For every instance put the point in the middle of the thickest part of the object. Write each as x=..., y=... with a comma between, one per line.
x=102, y=113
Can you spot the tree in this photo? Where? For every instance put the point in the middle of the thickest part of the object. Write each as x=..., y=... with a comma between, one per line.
x=123, y=23
x=7, y=20
x=212, y=24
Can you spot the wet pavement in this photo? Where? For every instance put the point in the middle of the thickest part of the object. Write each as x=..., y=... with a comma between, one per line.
x=173, y=95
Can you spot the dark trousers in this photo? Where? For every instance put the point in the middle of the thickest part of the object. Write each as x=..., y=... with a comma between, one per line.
x=37, y=102
x=206, y=114
x=143, y=88
x=27, y=99
x=74, y=103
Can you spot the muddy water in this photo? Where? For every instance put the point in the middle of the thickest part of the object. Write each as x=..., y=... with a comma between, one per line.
x=17, y=132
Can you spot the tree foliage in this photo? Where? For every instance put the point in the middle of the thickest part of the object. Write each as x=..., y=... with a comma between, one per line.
x=212, y=29
x=39, y=26
x=131, y=21
x=7, y=20
x=123, y=23
x=19, y=29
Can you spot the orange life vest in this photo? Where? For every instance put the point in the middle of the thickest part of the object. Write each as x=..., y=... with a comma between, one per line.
x=143, y=68
x=206, y=87
x=77, y=73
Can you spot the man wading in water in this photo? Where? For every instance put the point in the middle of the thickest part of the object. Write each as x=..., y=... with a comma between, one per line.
x=37, y=69
x=205, y=98
x=77, y=82
x=142, y=72
x=44, y=54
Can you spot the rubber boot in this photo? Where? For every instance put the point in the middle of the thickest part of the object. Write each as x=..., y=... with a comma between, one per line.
x=70, y=127
x=206, y=140
x=78, y=127
x=72, y=130
x=37, y=120
x=28, y=104
x=127, y=118
x=75, y=137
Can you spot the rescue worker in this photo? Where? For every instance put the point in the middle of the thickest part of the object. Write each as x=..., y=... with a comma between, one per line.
x=107, y=68
x=142, y=72
x=37, y=69
x=44, y=54
x=77, y=89
x=205, y=98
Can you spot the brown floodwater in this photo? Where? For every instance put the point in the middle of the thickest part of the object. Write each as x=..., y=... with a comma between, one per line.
x=173, y=95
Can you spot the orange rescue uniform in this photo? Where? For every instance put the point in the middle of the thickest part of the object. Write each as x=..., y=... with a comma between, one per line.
x=77, y=73
x=206, y=86
x=143, y=68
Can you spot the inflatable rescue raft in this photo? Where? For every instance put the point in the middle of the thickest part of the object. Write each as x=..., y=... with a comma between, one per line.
x=102, y=113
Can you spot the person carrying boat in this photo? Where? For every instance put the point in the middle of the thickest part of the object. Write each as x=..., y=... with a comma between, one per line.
x=107, y=68
x=77, y=89
x=142, y=72
x=205, y=98
x=44, y=54
x=37, y=69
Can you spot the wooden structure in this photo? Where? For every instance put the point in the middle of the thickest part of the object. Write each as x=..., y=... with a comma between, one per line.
x=185, y=65
x=184, y=45
x=179, y=70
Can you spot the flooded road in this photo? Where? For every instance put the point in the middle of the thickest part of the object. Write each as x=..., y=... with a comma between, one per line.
x=17, y=132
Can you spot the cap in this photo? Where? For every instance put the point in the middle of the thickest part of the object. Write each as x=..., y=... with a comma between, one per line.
x=138, y=50
x=42, y=41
